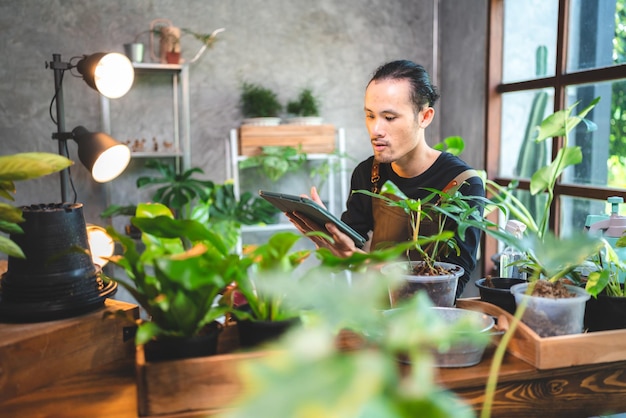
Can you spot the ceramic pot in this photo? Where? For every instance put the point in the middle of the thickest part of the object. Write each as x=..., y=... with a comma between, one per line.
x=202, y=345
x=441, y=289
x=550, y=317
x=500, y=294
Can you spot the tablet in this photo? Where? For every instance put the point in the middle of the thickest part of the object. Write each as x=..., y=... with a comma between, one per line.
x=307, y=207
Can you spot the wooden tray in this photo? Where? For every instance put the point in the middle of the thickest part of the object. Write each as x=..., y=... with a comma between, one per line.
x=314, y=139
x=555, y=352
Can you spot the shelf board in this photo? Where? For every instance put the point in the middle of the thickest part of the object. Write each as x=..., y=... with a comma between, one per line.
x=268, y=227
x=155, y=66
x=156, y=154
x=310, y=157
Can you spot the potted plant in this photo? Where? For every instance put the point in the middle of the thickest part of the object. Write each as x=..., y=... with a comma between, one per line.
x=438, y=209
x=276, y=161
x=259, y=105
x=176, y=280
x=263, y=315
x=305, y=109
x=18, y=167
x=176, y=190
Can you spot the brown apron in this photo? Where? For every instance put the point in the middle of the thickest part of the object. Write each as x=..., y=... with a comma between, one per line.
x=392, y=224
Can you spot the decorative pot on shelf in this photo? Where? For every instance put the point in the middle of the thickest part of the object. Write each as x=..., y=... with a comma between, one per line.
x=262, y=121
x=550, y=317
x=441, y=289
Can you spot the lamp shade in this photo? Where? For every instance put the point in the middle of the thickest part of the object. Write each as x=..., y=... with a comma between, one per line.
x=112, y=74
x=102, y=155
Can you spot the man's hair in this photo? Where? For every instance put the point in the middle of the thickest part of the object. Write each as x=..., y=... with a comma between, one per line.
x=423, y=93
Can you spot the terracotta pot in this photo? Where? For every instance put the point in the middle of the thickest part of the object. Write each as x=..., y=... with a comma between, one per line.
x=172, y=57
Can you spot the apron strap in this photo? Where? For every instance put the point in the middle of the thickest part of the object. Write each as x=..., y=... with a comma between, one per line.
x=375, y=176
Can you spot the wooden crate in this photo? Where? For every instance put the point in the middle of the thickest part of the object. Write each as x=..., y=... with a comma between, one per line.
x=314, y=139
x=203, y=384
x=35, y=355
x=207, y=385
x=559, y=351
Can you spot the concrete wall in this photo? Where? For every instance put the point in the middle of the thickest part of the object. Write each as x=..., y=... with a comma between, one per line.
x=330, y=46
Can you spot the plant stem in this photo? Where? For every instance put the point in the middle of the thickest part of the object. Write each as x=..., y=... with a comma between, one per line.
x=498, y=356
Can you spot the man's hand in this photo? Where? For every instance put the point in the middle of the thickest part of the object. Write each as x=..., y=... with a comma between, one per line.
x=343, y=246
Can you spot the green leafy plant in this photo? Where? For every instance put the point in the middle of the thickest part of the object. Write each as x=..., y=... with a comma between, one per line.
x=307, y=104
x=19, y=167
x=359, y=377
x=179, y=274
x=270, y=263
x=439, y=207
x=225, y=213
x=276, y=161
x=259, y=101
x=177, y=190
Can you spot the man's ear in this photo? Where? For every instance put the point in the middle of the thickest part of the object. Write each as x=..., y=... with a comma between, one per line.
x=428, y=114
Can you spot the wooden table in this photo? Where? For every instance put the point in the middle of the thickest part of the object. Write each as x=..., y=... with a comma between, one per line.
x=523, y=391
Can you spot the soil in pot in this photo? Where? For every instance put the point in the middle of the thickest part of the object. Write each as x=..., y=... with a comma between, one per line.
x=497, y=291
x=201, y=345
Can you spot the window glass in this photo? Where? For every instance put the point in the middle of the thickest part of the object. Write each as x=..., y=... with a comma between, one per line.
x=574, y=211
x=529, y=49
x=604, y=150
x=522, y=112
x=596, y=34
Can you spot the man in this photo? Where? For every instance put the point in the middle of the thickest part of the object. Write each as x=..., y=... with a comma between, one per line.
x=399, y=103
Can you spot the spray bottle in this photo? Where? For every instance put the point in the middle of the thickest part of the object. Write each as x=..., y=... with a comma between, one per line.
x=511, y=254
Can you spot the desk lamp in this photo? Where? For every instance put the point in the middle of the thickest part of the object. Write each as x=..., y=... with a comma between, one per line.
x=61, y=275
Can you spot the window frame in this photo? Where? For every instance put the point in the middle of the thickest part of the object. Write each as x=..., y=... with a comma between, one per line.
x=559, y=82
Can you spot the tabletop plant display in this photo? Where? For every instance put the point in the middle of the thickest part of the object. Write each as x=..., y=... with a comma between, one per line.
x=320, y=370
x=175, y=279
x=551, y=259
x=259, y=105
x=19, y=167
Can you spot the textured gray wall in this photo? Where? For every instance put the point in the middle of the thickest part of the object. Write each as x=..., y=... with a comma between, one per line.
x=331, y=46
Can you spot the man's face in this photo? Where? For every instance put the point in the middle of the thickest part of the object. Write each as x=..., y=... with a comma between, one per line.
x=390, y=119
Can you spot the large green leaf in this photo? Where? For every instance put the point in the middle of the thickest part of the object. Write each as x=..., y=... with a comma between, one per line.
x=10, y=213
x=9, y=247
x=560, y=122
x=545, y=177
x=30, y=165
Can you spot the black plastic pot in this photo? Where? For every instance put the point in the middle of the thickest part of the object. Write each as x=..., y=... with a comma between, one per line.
x=605, y=313
x=255, y=333
x=55, y=280
x=500, y=294
x=204, y=344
